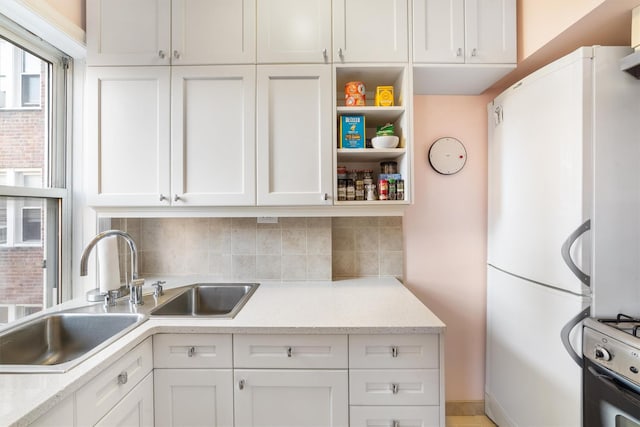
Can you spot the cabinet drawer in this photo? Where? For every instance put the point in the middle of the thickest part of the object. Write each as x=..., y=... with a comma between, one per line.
x=290, y=351
x=192, y=351
x=394, y=387
x=396, y=416
x=102, y=393
x=394, y=351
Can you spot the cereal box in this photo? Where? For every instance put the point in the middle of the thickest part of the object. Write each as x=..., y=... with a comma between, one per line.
x=352, y=131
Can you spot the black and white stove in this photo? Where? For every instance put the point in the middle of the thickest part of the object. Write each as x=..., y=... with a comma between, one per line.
x=611, y=372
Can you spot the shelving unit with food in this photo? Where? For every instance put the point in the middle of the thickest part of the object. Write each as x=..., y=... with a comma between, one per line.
x=373, y=134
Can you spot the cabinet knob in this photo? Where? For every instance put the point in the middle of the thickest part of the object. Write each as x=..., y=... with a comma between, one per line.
x=325, y=196
x=191, y=351
x=340, y=54
x=394, y=351
x=163, y=197
x=123, y=378
x=176, y=198
x=395, y=388
x=241, y=385
x=474, y=52
x=324, y=55
x=289, y=352
x=161, y=54
x=176, y=54
x=459, y=52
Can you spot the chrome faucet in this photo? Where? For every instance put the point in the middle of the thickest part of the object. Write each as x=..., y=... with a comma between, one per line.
x=133, y=287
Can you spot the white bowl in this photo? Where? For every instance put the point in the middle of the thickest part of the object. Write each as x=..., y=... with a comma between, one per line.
x=385, y=141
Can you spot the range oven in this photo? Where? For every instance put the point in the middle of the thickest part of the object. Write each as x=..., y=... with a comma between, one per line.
x=611, y=372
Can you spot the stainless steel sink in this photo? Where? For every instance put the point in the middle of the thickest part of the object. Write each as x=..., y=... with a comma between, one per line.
x=208, y=300
x=58, y=341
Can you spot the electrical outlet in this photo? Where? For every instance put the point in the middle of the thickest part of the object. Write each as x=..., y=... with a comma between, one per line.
x=267, y=220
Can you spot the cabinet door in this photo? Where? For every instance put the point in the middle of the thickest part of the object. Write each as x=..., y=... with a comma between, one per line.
x=193, y=397
x=135, y=409
x=127, y=128
x=294, y=135
x=438, y=31
x=213, y=32
x=396, y=416
x=294, y=31
x=95, y=399
x=125, y=32
x=213, y=135
x=291, y=398
x=490, y=35
x=370, y=31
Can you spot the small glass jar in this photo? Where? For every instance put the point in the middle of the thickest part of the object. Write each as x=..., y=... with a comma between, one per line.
x=351, y=190
x=400, y=190
x=389, y=167
x=342, y=189
x=383, y=189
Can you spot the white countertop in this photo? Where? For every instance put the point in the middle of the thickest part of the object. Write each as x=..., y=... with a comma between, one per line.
x=355, y=306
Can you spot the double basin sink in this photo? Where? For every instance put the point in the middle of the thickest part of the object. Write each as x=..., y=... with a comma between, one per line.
x=58, y=341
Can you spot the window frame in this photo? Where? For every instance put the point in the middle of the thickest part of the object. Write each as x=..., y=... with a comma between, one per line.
x=57, y=172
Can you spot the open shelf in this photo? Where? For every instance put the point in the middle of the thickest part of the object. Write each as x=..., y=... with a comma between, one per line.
x=369, y=154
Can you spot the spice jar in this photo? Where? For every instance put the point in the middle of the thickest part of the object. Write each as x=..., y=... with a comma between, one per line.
x=383, y=189
x=342, y=189
x=392, y=189
x=351, y=190
x=400, y=190
x=389, y=167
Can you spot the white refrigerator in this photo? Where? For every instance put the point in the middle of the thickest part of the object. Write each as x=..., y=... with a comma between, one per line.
x=563, y=229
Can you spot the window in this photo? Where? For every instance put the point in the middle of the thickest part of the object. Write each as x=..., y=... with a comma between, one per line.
x=34, y=200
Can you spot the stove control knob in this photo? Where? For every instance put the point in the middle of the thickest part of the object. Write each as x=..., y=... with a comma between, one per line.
x=603, y=354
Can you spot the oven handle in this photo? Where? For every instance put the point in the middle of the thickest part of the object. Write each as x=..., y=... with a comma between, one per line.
x=613, y=384
x=566, y=332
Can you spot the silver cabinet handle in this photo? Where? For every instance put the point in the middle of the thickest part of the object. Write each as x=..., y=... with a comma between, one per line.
x=474, y=52
x=176, y=198
x=325, y=196
x=191, y=351
x=324, y=55
x=162, y=197
x=123, y=378
x=340, y=54
x=394, y=351
x=289, y=352
x=176, y=54
x=161, y=54
x=241, y=384
x=459, y=52
x=394, y=388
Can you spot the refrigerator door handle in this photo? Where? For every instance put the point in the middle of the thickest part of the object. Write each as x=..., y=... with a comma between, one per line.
x=566, y=332
x=566, y=252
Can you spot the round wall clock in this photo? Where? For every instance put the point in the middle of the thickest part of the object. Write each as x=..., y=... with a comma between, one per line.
x=447, y=155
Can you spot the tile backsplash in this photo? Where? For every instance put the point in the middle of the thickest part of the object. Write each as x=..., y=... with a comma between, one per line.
x=240, y=249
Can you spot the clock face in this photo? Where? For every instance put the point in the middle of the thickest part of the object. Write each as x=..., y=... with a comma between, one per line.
x=447, y=155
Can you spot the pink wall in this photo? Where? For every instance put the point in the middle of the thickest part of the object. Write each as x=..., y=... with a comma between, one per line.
x=445, y=235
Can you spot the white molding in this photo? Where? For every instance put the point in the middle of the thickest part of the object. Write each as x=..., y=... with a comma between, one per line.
x=43, y=20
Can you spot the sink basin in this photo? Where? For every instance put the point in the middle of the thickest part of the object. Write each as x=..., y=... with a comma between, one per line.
x=58, y=341
x=208, y=300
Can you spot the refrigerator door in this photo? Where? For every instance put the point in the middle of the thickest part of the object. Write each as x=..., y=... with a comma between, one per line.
x=537, y=192
x=531, y=380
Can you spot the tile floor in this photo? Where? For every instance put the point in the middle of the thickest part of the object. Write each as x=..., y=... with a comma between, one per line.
x=469, y=421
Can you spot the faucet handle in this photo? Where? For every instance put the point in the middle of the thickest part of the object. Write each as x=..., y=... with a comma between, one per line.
x=158, y=288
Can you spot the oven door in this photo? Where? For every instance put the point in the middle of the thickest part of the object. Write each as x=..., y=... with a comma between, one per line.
x=609, y=400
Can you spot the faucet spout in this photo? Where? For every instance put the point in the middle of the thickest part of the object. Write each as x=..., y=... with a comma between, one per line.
x=84, y=259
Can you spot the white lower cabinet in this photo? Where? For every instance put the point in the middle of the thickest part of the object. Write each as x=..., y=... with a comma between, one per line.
x=60, y=415
x=98, y=397
x=394, y=416
x=193, y=397
x=291, y=398
x=135, y=409
x=193, y=380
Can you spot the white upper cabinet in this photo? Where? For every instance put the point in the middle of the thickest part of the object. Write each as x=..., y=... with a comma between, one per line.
x=122, y=32
x=464, y=31
x=128, y=135
x=213, y=32
x=163, y=32
x=213, y=135
x=294, y=31
x=462, y=47
x=294, y=115
x=370, y=31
